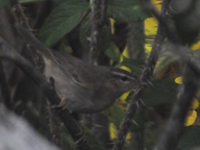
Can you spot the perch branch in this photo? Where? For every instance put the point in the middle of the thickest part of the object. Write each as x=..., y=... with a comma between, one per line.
x=171, y=135
x=98, y=20
x=146, y=77
x=174, y=129
x=170, y=28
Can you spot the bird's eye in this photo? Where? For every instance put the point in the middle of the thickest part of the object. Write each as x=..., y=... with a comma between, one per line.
x=124, y=78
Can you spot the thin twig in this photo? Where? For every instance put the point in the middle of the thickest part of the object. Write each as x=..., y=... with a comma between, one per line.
x=19, y=14
x=21, y=19
x=54, y=124
x=104, y=13
x=171, y=33
x=98, y=20
x=174, y=130
x=146, y=76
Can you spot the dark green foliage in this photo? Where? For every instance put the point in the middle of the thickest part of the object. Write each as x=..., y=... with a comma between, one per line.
x=132, y=64
x=115, y=115
x=126, y=10
x=161, y=91
x=105, y=38
x=62, y=20
x=191, y=139
x=67, y=141
x=69, y=14
x=112, y=52
x=138, y=122
x=94, y=143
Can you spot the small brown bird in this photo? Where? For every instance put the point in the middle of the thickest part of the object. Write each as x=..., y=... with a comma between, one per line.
x=86, y=88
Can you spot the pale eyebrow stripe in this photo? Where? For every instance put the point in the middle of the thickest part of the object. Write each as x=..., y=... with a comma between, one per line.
x=122, y=74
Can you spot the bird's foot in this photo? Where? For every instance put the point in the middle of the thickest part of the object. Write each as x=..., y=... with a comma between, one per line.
x=62, y=104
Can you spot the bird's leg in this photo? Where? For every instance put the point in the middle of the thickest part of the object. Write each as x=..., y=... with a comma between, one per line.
x=62, y=104
x=63, y=99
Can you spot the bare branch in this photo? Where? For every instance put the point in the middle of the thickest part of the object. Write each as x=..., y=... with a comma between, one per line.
x=146, y=76
x=170, y=28
x=174, y=130
x=98, y=20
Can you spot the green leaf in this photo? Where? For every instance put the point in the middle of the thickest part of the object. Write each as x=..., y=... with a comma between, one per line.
x=92, y=140
x=68, y=143
x=105, y=38
x=66, y=140
x=162, y=91
x=126, y=10
x=139, y=119
x=113, y=52
x=190, y=140
x=132, y=64
x=62, y=20
x=115, y=114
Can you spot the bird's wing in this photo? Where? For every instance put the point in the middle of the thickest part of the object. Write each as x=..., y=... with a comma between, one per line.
x=68, y=67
